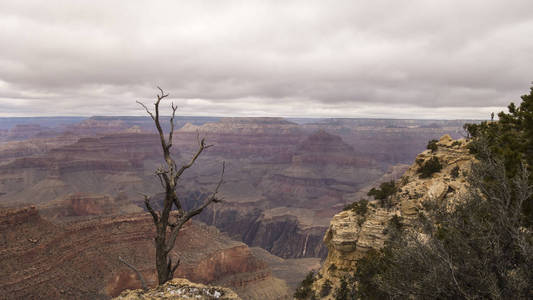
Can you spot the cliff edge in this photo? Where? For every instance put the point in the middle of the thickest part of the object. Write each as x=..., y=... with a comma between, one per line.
x=352, y=233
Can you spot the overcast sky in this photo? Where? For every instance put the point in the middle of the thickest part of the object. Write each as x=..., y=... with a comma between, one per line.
x=400, y=59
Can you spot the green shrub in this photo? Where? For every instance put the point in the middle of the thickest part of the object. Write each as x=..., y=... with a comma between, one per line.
x=384, y=193
x=359, y=207
x=304, y=290
x=509, y=139
x=332, y=268
x=431, y=166
x=396, y=222
x=326, y=288
x=455, y=172
x=482, y=248
x=432, y=145
x=466, y=253
x=345, y=290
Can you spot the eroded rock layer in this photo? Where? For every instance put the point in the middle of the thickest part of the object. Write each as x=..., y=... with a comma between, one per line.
x=80, y=260
x=283, y=182
x=350, y=236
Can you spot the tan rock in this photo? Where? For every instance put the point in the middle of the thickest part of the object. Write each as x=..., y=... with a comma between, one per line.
x=348, y=239
x=437, y=191
x=445, y=141
x=179, y=288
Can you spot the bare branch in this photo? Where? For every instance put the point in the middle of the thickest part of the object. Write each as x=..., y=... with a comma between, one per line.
x=163, y=95
x=164, y=145
x=163, y=175
x=212, y=199
x=174, y=268
x=196, y=155
x=160, y=179
x=155, y=217
x=171, y=133
x=147, y=110
x=139, y=275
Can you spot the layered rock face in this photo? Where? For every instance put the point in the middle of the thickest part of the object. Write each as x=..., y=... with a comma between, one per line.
x=288, y=205
x=27, y=148
x=80, y=260
x=350, y=235
x=263, y=139
x=390, y=141
x=287, y=233
x=25, y=131
x=283, y=181
x=99, y=125
x=109, y=165
x=323, y=170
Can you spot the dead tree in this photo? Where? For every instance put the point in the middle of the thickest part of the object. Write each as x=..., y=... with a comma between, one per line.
x=167, y=229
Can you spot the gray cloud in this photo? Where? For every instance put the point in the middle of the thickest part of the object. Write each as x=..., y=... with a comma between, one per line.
x=439, y=59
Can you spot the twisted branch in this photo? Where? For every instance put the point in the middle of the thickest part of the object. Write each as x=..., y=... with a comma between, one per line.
x=154, y=214
x=212, y=199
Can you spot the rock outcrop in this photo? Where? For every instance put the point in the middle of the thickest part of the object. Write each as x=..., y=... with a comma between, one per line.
x=350, y=235
x=179, y=289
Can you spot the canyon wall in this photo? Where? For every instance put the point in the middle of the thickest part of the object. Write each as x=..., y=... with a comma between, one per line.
x=79, y=260
x=283, y=182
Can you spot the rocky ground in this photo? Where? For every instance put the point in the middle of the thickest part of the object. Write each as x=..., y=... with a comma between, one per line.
x=179, y=289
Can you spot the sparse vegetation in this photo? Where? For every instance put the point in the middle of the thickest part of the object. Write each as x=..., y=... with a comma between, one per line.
x=432, y=145
x=332, y=268
x=456, y=143
x=396, y=223
x=510, y=140
x=304, y=291
x=326, y=288
x=482, y=248
x=394, y=226
x=455, y=172
x=345, y=290
x=359, y=207
x=430, y=167
x=384, y=193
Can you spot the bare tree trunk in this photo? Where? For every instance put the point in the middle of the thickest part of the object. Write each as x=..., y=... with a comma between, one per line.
x=161, y=261
x=167, y=231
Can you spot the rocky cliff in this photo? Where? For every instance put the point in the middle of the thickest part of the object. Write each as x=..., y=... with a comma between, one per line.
x=350, y=235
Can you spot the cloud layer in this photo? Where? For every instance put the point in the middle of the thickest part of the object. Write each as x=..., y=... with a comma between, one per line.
x=407, y=59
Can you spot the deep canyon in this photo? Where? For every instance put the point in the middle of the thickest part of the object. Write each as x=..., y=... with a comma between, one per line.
x=70, y=202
